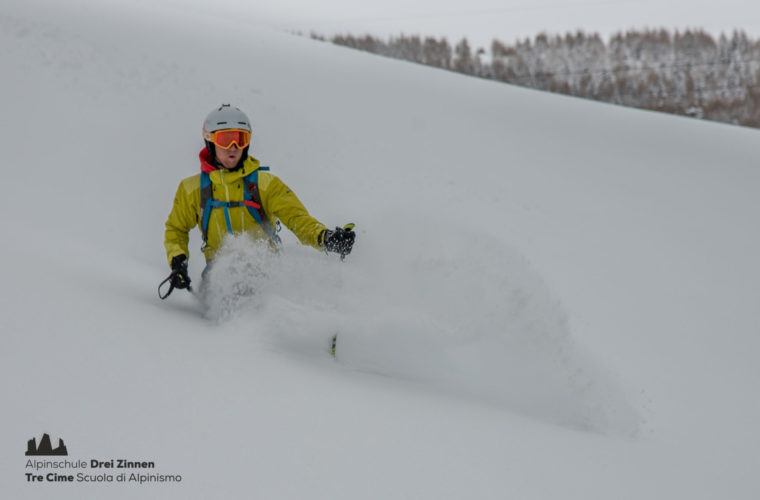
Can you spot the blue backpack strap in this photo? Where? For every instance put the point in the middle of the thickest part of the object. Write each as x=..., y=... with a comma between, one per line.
x=251, y=200
x=207, y=201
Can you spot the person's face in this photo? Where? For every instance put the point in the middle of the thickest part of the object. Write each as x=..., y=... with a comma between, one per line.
x=228, y=158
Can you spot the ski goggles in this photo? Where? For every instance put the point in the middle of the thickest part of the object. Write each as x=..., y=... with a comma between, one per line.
x=226, y=138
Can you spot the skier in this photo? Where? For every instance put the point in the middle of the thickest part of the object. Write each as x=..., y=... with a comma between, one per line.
x=234, y=194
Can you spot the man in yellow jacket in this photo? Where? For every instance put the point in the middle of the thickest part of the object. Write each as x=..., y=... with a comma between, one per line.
x=233, y=194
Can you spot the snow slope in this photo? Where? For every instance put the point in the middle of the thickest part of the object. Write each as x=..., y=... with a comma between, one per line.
x=549, y=298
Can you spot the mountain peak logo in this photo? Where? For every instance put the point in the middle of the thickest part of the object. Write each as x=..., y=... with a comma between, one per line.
x=45, y=448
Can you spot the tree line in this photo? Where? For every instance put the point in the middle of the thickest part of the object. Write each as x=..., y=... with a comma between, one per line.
x=688, y=73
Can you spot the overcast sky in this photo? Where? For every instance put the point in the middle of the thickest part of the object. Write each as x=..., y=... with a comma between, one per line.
x=479, y=20
x=482, y=20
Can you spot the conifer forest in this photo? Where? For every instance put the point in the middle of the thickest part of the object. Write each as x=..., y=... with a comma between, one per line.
x=688, y=73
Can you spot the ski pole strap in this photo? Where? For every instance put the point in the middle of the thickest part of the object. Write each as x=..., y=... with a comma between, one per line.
x=171, y=287
x=162, y=296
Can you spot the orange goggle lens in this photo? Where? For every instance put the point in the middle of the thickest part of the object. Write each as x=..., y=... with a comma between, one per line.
x=226, y=138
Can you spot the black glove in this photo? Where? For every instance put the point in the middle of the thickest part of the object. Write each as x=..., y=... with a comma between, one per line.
x=339, y=241
x=179, y=277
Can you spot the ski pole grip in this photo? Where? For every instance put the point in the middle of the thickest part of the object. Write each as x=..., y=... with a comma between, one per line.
x=348, y=227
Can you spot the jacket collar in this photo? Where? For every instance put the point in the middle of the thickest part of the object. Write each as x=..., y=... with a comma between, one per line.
x=249, y=165
x=206, y=163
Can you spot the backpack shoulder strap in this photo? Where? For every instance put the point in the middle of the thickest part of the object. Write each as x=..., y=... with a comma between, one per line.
x=256, y=208
x=253, y=202
x=207, y=197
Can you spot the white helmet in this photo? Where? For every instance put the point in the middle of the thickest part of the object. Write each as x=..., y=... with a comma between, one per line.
x=225, y=117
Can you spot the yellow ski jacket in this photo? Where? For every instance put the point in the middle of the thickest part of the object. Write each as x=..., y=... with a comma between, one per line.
x=277, y=201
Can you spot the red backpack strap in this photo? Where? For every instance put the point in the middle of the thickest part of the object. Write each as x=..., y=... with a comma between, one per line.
x=252, y=200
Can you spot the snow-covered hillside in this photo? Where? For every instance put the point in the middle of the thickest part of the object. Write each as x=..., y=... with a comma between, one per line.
x=548, y=298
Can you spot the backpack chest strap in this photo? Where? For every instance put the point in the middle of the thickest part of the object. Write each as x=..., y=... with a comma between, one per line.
x=251, y=200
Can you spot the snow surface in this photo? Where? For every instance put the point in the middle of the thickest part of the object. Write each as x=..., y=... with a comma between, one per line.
x=548, y=298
